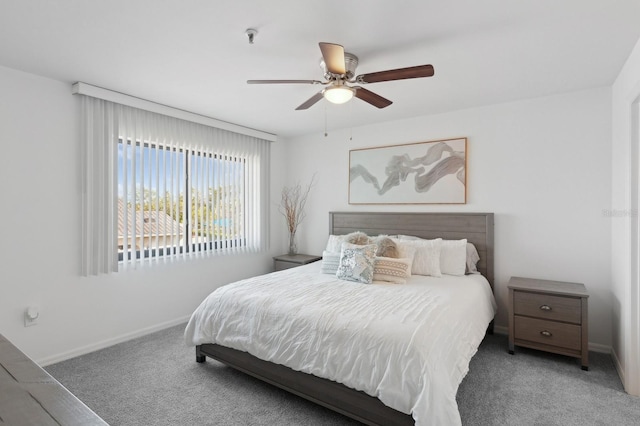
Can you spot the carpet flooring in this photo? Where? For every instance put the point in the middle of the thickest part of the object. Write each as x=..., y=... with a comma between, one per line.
x=154, y=380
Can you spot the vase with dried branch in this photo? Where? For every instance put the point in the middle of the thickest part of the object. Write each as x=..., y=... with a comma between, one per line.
x=292, y=204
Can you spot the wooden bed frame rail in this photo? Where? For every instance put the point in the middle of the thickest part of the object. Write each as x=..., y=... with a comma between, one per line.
x=335, y=396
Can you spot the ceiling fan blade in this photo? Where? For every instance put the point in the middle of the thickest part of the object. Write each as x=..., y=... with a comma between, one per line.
x=372, y=98
x=311, y=101
x=284, y=82
x=333, y=55
x=398, y=74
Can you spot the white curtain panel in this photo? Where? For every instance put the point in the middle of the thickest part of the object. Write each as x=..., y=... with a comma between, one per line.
x=99, y=220
x=158, y=188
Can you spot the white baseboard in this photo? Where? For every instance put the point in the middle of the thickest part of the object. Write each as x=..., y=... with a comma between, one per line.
x=109, y=342
x=618, y=365
x=595, y=347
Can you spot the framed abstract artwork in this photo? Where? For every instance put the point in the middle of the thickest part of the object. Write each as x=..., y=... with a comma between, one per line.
x=431, y=172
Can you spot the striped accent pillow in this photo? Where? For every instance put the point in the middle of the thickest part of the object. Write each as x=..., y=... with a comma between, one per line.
x=330, y=262
x=391, y=270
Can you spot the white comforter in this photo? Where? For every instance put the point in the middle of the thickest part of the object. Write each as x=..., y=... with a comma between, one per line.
x=407, y=344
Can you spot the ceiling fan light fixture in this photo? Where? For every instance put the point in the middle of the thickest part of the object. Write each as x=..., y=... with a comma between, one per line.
x=338, y=94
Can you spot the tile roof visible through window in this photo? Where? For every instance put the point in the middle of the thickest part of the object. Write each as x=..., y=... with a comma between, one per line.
x=149, y=225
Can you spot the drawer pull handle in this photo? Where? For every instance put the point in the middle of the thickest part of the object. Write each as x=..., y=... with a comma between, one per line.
x=546, y=333
x=545, y=308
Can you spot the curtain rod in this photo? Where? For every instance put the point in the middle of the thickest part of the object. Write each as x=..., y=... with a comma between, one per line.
x=80, y=88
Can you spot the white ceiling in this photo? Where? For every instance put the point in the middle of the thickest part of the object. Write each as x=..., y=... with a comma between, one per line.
x=194, y=54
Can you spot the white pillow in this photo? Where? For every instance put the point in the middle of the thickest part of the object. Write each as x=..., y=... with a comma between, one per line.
x=391, y=270
x=426, y=260
x=409, y=237
x=357, y=263
x=334, y=244
x=453, y=257
x=330, y=262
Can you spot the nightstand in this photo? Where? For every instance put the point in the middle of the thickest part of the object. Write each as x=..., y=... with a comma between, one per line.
x=286, y=261
x=549, y=316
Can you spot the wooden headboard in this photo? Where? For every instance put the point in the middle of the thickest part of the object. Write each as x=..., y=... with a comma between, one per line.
x=477, y=228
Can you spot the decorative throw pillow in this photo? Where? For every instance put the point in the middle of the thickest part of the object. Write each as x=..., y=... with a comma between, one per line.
x=359, y=238
x=472, y=259
x=386, y=247
x=330, y=262
x=391, y=270
x=356, y=263
x=453, y=258
x=426, y=260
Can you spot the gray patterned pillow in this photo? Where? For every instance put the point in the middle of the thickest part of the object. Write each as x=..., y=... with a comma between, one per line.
x=357, y=263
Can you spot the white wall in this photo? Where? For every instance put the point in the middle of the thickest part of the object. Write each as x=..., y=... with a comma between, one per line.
x=626, y=348
x=543, y=166
x=40, y=229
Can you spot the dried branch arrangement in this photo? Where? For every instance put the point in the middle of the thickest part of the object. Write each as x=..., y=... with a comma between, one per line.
x=292, y=206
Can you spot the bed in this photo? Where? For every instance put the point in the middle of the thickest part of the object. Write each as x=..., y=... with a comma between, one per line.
x=300, y=358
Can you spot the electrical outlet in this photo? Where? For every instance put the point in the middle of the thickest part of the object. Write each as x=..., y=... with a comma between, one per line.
x=31, y=316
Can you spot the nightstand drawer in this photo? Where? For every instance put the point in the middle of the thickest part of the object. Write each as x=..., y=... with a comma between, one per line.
x=546, y=306
x=548, y=332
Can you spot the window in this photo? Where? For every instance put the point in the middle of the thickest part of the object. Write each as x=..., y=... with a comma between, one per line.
x=178, y=200
x=157, y=187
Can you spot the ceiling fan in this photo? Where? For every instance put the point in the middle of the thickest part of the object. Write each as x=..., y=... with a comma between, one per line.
x=339, y=70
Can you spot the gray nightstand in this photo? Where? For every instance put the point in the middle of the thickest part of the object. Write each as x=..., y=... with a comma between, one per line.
x=550, y=316
x=285, y=261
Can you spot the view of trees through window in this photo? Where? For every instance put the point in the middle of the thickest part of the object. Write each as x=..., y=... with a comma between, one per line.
x=172, y=200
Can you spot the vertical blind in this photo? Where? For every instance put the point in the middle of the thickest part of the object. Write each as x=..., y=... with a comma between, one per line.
x=158, y=188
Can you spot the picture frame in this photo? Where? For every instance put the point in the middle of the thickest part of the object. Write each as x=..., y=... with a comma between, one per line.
x=432, y=172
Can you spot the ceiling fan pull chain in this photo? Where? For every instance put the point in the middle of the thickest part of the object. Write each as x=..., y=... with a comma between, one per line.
x=351, y=122
x=325, y=120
